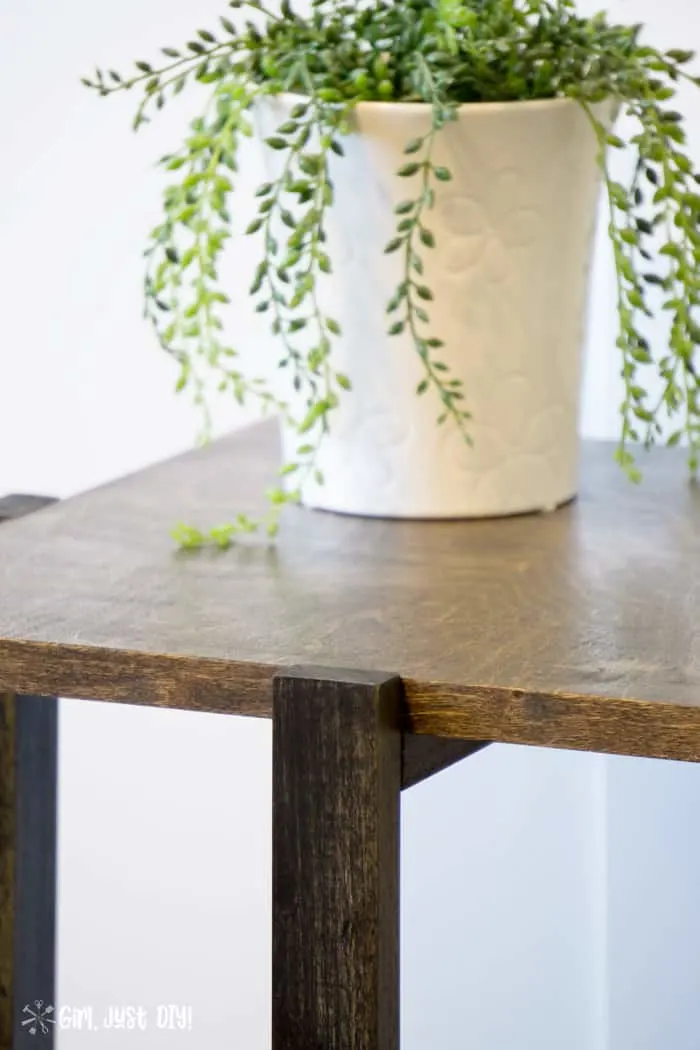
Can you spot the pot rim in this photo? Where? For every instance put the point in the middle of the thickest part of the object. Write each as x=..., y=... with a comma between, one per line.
x=491, y=107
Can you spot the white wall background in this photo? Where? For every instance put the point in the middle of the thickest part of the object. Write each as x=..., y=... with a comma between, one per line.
x=651, y=973
x=549, y=899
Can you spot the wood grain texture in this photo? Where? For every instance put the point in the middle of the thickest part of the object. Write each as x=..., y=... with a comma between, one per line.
x=573, y=629
x=335, y=870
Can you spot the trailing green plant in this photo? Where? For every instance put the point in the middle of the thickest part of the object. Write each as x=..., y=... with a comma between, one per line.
x=444, y=53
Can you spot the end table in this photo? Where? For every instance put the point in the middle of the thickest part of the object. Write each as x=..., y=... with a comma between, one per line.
x=382, y=650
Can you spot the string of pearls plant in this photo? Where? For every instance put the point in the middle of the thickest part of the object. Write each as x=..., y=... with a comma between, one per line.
x=444, y=53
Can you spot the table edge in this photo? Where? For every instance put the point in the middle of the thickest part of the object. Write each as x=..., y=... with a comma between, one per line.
x=501, y=714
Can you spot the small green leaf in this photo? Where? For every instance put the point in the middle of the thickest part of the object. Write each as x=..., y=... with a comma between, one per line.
x=343, y=381
x=443, y=174
x=312, y=417
x=427, y=237
x=396, y=328
x=222, y=536
x=413, y=146
x=144, y=67
x=406, y=170
x=309, y=163
x=275, y=142
x=424, y=293
x=680, y=56
x=276, y=496
x=393, y=245
x=188, y=537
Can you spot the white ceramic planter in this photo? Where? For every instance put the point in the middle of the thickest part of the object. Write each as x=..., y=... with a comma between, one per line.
x=509, y=272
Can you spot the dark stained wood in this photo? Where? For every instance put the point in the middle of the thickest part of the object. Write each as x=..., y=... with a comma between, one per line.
x=8, y=820
x=335, y=868
x=194, y=685
x=28, y=776
x=423, y=756
x=28, y=787
x=156, y=680
x=573, y=629
x=19, y=505
x=581, y=723
x=36, y=735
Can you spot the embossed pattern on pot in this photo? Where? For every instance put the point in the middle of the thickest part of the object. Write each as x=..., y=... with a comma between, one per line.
x=509, y=273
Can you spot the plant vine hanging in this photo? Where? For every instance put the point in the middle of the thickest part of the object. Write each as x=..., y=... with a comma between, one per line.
x=444, y=53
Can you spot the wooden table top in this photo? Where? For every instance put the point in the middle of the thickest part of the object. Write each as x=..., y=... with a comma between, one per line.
x=578, y=629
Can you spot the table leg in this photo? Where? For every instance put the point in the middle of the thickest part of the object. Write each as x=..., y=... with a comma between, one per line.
x=28, y=777
x=336, y=797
